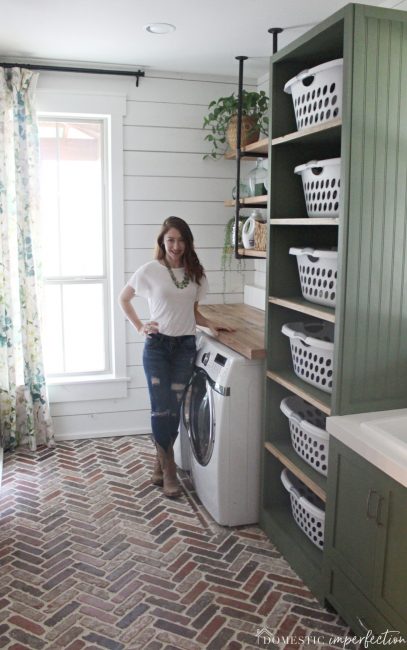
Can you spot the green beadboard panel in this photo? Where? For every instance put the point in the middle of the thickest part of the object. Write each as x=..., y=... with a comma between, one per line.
x=374, y=337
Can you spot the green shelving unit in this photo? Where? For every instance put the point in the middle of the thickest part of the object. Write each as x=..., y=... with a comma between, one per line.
x=370, y=234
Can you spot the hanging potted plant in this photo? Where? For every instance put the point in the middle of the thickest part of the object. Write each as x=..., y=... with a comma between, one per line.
x=222, y=121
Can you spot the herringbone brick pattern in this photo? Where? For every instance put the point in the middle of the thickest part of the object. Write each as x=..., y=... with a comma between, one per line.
x=94, y=557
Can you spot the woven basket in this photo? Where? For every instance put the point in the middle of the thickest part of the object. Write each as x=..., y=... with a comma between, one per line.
x=260, y=236
x=249, y=132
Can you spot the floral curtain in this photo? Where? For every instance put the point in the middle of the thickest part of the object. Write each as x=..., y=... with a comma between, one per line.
x=24, y=409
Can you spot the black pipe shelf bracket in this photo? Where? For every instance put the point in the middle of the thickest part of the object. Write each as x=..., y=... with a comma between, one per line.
x=59, y=68
x=239, y=154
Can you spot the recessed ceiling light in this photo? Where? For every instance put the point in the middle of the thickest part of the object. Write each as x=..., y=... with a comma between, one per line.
x=159, y=28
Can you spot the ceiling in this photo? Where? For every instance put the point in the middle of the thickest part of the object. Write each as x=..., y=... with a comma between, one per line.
x=209, y=34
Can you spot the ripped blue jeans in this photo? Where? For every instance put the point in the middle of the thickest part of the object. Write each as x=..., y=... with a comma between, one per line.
x=168, y=364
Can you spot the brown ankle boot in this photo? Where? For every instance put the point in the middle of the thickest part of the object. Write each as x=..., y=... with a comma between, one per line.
x=171, y=486
x=157, y=473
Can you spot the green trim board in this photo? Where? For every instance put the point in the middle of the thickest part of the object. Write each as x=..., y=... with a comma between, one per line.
x=372, y=344
x=297, y=549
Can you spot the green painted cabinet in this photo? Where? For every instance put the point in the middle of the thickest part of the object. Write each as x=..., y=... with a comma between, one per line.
x=365, y=563
x=370, y=234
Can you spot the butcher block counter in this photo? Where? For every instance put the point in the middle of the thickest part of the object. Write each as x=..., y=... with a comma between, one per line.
x=248, y=339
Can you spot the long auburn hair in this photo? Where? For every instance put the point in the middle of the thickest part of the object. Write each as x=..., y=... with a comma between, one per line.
x=193, y=267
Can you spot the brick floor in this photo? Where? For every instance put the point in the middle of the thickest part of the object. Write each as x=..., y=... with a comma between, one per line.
x=94, y=557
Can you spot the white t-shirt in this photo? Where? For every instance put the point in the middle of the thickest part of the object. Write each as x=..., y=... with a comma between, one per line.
x=172, y=308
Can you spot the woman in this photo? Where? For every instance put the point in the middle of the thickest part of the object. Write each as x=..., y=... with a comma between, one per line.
x=174, y=283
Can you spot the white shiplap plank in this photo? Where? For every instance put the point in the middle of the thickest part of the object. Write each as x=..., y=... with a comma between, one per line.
x=147, y=163
x=194, y=212
x=233, y=298
x=180, y=91
x=175, y=189
x=136, y=400
x=147, y=138
x=185, y=116
x=137, y=377
x=134, y=354
x=102, y=424
x=228, y=282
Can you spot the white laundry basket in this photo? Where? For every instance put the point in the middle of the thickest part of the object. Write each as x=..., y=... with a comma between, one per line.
x=321, y=181
x=312, y=351
x=308, y=435
x=318, y=271
x=317, y=94
x=308, y=510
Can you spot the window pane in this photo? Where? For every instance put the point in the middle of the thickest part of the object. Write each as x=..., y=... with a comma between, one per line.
x=52, y=339
x=49, y=204
x=72, y=197
x=84, y=332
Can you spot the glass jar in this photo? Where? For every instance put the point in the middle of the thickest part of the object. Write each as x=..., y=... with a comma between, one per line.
x=244, y=191
x=258, y=179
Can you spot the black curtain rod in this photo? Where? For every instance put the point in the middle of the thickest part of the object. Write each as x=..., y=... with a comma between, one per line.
x=57, y=68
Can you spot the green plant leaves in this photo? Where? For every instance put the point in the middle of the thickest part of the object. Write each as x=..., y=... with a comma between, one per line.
x=222, y=109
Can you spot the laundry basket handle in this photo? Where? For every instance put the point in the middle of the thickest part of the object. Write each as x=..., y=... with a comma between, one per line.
x=305, y=74
x=288, y=485
x=288, y=412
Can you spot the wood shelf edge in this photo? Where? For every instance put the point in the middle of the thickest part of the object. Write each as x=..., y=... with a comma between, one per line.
x=301, y=392
x=252, y=252
x=260, y=146
x=247, y=202
x=316, y=489
x=317, y=128
x=304, y=307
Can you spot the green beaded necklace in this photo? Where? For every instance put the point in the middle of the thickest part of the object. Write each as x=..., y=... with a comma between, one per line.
x=180, y=285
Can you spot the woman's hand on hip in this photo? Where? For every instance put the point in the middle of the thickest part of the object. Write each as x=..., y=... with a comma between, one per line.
x=151, y=327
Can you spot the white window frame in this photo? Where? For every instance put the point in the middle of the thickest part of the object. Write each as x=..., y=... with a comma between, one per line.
x=111, y=108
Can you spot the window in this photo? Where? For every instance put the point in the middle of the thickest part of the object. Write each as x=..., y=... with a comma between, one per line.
x=73, y=207
x=81, y=133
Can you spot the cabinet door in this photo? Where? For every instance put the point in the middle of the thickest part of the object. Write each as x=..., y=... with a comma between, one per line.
x=351, y=528
x=391, y=586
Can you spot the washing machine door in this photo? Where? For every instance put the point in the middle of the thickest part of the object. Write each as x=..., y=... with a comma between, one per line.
x=199, y=417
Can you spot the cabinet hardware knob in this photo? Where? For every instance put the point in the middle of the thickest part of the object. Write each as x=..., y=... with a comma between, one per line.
x=369, y=515
x=379, y=512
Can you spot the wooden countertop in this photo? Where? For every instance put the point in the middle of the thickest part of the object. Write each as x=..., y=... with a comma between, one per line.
x=249, y=322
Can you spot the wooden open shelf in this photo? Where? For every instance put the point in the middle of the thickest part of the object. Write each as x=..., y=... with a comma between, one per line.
x=310, y=132
x=284, y=452
x=249, y=201
x=252, y=252
x=260, y=147
x=289, y=380
x=305, y=307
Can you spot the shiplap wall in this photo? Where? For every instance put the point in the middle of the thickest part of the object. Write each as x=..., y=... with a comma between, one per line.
x=164, y=174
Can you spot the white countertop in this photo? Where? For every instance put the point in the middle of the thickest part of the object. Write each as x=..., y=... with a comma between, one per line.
x=380, y=438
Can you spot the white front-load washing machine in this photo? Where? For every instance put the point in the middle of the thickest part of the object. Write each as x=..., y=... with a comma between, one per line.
x=222, y=417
